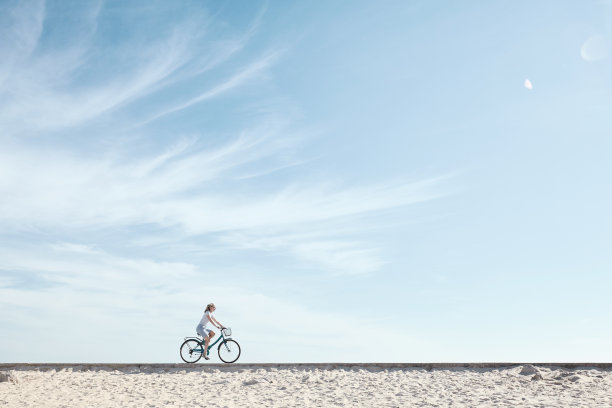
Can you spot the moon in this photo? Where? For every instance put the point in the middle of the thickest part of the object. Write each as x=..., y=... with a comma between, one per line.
x=595, y=48
x=528, y=84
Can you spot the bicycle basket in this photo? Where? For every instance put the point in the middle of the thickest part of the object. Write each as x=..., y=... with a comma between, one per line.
x=227, y=332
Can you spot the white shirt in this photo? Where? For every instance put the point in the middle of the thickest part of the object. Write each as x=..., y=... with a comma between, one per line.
x=204, y=320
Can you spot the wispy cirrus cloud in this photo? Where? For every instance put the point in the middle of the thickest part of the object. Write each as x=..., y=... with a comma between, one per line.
x=319, y=248
x=46, y=83
x=20, y=33
x=93, y=184
x=86, y=284
x=178, y=186
x=244, y=75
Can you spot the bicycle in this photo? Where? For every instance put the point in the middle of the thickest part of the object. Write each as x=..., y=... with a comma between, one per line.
x=192, y=348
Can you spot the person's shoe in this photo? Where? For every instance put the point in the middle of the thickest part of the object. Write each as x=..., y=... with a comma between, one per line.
x=207, y=358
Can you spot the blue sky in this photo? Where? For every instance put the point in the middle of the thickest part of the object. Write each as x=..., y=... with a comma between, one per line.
x=346, y=181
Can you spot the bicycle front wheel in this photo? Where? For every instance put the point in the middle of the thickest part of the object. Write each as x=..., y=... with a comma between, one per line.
x=229, y=351
x=191, y=351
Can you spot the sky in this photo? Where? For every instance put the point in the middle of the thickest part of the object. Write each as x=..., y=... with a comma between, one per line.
x=407, y=181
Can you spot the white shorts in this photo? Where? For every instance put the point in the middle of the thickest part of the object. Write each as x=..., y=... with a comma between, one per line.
x=202, y=331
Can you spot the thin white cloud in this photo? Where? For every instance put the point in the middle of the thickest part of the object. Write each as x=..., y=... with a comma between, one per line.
x=82, y=267
x=52, y=107
x=68, y=190
x=318, y=247
x=223, y=50
x=20, y=37
x=339, y=257
x=244, y=75
x=75, y=248
x=178, y=189
x=292, y=205
x=45, y=91
x=180, y=147
x=86, y=206
x=121, y=295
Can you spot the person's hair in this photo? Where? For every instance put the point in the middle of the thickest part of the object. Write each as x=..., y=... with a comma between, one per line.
x=208, y=306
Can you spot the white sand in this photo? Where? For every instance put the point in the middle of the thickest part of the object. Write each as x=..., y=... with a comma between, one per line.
x=308, y=386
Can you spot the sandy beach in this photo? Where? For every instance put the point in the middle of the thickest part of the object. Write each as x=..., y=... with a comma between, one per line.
x=306, y=386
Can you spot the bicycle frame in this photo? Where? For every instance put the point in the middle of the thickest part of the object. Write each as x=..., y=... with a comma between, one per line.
x=201, y=350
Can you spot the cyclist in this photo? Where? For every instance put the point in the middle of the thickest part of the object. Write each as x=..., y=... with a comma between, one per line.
x=208, y=334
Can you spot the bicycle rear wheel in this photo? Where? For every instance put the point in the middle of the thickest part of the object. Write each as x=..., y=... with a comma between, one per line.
x=229, y=351
x=191, y=350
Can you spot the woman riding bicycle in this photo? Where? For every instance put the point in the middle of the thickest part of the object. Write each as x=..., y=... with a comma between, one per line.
x=203, y=331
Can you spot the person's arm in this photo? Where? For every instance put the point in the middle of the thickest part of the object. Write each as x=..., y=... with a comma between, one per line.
x=220, y=325
x=214, y=321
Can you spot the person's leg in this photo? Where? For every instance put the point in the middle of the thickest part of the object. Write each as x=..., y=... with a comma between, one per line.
x=207, y=339
x=206, y=343
x=211, y=334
